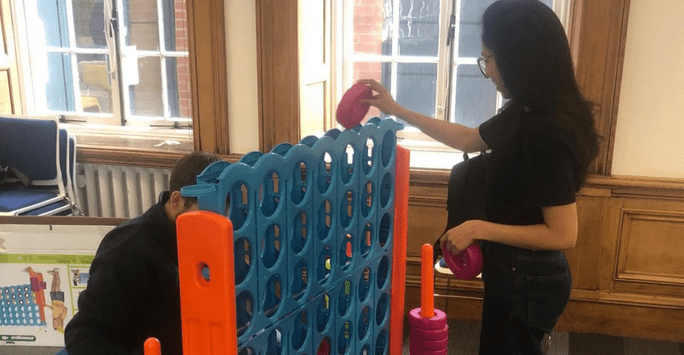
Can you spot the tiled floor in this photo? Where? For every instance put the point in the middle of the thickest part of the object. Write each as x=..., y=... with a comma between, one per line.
x=463, y=340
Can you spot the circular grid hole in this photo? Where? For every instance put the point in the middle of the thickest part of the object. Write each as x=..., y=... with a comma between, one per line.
x=385, y=229
x=382, y=309
x=344, y=298
x=244, y=303
x=383, y=272
x=385, y=190
x=300, y=280
x=347, y=209
x=299, y=232
x=269, y=194
x=344, y=338
x=368, y=155
x=364, y=285
x=325, y=173
x=239, y=205
x=301, y=330
x=364, y=322
x=348, y=164
x=243, y=259
x=367, y=199
x=324, y=265
x=325, y=216
x=323, y=313
x=270, y=246
x=389, y=141
x=299, y=183
x=272, y=296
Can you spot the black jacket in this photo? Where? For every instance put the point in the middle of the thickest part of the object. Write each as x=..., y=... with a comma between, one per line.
x=132, y=292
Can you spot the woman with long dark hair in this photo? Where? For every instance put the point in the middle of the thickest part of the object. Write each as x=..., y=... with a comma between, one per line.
x=542, y=143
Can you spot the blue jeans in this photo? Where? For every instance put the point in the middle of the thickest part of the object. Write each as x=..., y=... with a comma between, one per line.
x=525, y=293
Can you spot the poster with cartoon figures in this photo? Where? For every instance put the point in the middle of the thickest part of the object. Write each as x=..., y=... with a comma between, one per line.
x=41, y=279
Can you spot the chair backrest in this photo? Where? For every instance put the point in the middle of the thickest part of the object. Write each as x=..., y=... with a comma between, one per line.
x=31, y=146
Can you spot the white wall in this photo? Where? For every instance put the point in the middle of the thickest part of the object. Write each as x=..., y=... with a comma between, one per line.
x=650, y=125
x=243, y=103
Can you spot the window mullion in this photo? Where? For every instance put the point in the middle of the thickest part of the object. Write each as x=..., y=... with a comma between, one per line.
x=71, y=33
x=162, y=48
x=395, y=46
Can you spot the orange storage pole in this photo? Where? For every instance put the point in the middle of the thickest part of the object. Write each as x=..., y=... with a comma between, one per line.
x=401, y=179
x=427, y=294
x=152, y=346
x=205, y=240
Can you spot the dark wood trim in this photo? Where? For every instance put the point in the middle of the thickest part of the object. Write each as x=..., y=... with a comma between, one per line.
x=136, y=157
x=598, y=32
x=209, y=75
x=70, y=221
x=127, y=156
x=278, y=72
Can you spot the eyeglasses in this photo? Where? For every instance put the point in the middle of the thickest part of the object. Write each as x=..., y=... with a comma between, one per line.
x=482, y=63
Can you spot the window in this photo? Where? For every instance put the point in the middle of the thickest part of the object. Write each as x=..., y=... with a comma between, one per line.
x=115, y=63
x=424, y=52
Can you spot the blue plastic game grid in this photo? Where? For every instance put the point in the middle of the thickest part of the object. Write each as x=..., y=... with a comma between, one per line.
x=313, y=240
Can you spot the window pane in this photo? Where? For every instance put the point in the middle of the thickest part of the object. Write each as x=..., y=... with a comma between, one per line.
x=475, y=97
x=146, y=97
x=89, y=23
x=141, y=20
x=416, y=87
x=178, y=82
x=470, y=27
x=175, y=25
x=95, y=86
x=59, y=91
x=419, y=27
x=52, y=16
x=373, y=70
x=373, y=27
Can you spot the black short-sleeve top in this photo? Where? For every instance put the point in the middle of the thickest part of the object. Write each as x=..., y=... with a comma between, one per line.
x=533, y=165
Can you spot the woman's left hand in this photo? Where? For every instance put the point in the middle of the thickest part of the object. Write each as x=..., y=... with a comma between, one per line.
x=461, y=236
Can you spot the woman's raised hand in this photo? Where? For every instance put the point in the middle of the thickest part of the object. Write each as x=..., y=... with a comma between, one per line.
x=381, y=98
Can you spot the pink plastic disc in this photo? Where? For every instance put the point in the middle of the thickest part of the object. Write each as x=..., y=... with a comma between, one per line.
x=417, y=351
x=435, y=323
x=430, y=345
x=351, y=110
x=465, y=265
x=429, y=334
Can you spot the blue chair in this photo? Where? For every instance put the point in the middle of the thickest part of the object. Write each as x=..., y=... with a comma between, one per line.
x=65, y=206
x=29, y=155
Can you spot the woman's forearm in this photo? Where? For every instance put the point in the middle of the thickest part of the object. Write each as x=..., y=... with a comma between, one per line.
x=535, y=237
x=454, y=135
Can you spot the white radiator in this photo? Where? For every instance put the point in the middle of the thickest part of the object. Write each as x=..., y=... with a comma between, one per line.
x=119, y=191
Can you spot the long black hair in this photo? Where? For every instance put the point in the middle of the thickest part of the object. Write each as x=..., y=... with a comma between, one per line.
x=533, y=58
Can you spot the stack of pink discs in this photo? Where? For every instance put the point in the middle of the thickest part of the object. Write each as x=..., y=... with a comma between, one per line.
x=351, y=110
x=429, y=336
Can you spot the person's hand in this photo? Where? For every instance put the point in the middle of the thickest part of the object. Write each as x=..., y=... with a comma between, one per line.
x=461, y=236
x=381, y=98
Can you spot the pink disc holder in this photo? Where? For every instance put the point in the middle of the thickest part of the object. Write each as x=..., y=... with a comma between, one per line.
x=351, y=110
x=416, y=321
x=465, y=265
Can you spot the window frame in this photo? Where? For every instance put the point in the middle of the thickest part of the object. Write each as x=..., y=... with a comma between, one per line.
x=597, y=33
x=209, y=99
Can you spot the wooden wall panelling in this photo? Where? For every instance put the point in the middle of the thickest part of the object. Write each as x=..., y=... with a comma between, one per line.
x=598, y=37
x=278, y=72
x=208, y=75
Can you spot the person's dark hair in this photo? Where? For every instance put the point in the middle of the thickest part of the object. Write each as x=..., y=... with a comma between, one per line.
x=533, y=59
x=186, y=169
